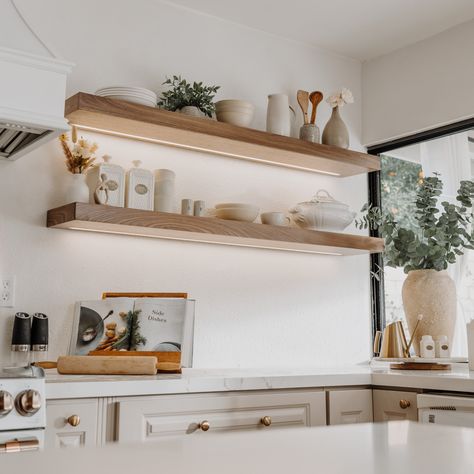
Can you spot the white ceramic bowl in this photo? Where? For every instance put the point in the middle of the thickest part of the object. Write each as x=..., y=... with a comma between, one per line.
x=235, y=112
x=244, y=214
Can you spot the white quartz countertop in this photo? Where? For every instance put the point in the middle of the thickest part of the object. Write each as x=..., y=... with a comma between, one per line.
x=458, y=379
x=388, y=448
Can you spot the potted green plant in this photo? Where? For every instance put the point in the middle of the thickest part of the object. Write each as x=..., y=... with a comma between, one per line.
x=191, y=99
x=442, y=233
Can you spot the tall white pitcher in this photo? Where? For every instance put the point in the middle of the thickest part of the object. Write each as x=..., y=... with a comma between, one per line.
x=279, y=114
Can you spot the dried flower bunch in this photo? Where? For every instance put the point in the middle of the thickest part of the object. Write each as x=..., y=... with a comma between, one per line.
x=82, y=155
x=339, y=99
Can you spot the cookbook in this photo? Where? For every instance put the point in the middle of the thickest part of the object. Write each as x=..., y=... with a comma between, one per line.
x=129, y=324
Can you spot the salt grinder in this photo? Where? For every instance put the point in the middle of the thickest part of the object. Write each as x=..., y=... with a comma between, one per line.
x=21, y=339
x=39, y=337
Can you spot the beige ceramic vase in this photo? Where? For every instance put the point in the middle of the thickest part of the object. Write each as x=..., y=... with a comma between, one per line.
x=432, y=294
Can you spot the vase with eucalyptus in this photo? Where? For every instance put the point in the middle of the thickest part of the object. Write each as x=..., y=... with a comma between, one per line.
x=441, y=235
x=79, y=159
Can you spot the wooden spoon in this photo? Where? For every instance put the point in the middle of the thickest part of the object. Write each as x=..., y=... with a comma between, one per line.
x=315, y=98
x=303, y=100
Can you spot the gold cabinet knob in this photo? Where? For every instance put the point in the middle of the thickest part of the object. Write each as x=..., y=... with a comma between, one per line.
x=404, y=404
x=204, y=425
x=266, y=421
x=74, y=420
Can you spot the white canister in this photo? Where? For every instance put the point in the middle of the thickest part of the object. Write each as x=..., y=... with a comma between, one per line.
x=279, y=114
x=427, y=347
x=164, y=190
x=442, y=346
x=140, y=188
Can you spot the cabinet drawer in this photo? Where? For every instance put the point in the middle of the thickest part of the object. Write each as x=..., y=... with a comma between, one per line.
x=149, y=418
x=394, y=405
x=61, y=433
x=350, y=406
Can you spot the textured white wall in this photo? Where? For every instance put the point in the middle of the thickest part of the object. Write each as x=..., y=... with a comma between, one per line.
x=256, y=308
x=419, y=87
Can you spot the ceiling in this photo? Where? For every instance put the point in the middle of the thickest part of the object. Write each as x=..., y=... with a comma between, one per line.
x=361, y=29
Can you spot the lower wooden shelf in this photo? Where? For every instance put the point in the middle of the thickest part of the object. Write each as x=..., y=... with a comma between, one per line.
x=163, y=225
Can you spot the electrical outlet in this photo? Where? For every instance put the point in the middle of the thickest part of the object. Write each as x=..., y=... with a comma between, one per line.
x=7, y=292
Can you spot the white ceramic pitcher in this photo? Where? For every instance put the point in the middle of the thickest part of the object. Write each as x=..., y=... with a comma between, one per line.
x=279, y=114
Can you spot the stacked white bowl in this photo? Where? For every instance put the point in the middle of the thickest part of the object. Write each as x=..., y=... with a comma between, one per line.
x=236, y=211
x=236, y=112
x=137, y=95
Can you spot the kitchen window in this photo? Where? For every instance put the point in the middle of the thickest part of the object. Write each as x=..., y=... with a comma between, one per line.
x=448, y=151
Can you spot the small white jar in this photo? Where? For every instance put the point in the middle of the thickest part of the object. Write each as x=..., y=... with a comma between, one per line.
x=427, y=347
x=442, y=346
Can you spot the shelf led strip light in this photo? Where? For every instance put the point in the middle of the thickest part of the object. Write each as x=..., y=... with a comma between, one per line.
x=197, y=148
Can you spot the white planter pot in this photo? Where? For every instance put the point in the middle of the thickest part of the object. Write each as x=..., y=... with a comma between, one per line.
x=432, y=294
x=192, y=111
x=76, y=188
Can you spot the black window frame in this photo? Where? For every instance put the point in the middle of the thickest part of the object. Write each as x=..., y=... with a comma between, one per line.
x=374, y=198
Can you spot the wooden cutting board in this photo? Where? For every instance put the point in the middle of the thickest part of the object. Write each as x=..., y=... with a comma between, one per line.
x=110, y=365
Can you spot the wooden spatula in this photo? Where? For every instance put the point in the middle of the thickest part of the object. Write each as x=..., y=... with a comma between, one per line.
x=303, y=100
x=315, y=98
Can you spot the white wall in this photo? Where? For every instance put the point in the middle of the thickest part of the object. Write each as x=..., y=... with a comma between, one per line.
x=256, y=308
x=419, y=87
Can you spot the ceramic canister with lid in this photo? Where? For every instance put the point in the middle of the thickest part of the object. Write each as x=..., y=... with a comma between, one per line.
x=164, y=190
x=140, y=188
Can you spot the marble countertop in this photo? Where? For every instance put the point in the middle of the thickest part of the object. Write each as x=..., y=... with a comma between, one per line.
x=217, y=380
x=389, y=448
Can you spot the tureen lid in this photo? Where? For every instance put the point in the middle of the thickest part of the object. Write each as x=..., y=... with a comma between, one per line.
x=323, y=197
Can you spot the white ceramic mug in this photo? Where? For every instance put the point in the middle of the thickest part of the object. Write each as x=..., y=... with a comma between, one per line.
x=274, y=218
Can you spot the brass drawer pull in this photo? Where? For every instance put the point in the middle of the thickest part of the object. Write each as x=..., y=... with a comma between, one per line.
x=266, y=421
x=404, y=404
x=74, y=420
x=204, y=425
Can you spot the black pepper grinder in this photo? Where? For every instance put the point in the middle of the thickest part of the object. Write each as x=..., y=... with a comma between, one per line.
x=21, y=340
x=39, y=337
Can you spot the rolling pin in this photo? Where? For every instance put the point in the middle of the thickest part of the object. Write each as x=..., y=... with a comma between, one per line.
x=110, y=365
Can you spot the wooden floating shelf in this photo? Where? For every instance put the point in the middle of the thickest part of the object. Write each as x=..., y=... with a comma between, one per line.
x=163, y=225
x=150, y=124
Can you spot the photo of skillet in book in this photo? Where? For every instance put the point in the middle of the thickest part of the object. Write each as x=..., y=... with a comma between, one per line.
x=128, y=324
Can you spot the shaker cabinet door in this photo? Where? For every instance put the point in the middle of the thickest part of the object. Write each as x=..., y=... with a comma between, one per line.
x=350, y=406
x=148, y=418
x=72, y=423
x=394, y=405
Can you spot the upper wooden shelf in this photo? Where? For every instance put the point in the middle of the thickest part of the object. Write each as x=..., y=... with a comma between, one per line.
x=140, y=122
x=118, y=220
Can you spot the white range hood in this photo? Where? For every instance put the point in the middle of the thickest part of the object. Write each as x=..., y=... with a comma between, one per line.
x=32, y=95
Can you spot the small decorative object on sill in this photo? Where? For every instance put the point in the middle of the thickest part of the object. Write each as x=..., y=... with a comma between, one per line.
x=199, y=208
x=279, y=113
x=335, y=132
x=112, y=177
x=190, y=99
x=101, y=193
x=79, y=159
x=425, y=251
x=164, y=190
x=442, y=347
x=140, y=188
x=427, y=347
x=235, y=112
x=187, y=207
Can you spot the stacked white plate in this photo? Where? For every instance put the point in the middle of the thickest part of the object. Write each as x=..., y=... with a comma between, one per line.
x=137, y=95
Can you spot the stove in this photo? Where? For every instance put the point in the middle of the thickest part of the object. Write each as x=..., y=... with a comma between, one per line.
x=22, y=409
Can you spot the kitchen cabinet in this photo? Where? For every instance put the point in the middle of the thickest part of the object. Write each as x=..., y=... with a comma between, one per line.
x=72, y=423
x=394, y=405
x=149, y=418
x=350, y=406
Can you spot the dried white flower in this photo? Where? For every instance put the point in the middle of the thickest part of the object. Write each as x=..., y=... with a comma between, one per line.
x=339, y=99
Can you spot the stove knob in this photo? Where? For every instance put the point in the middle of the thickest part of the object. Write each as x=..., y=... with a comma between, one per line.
x=27, y=403
x=6, y=403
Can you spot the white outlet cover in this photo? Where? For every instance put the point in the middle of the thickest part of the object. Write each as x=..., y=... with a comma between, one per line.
x=7, y=292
